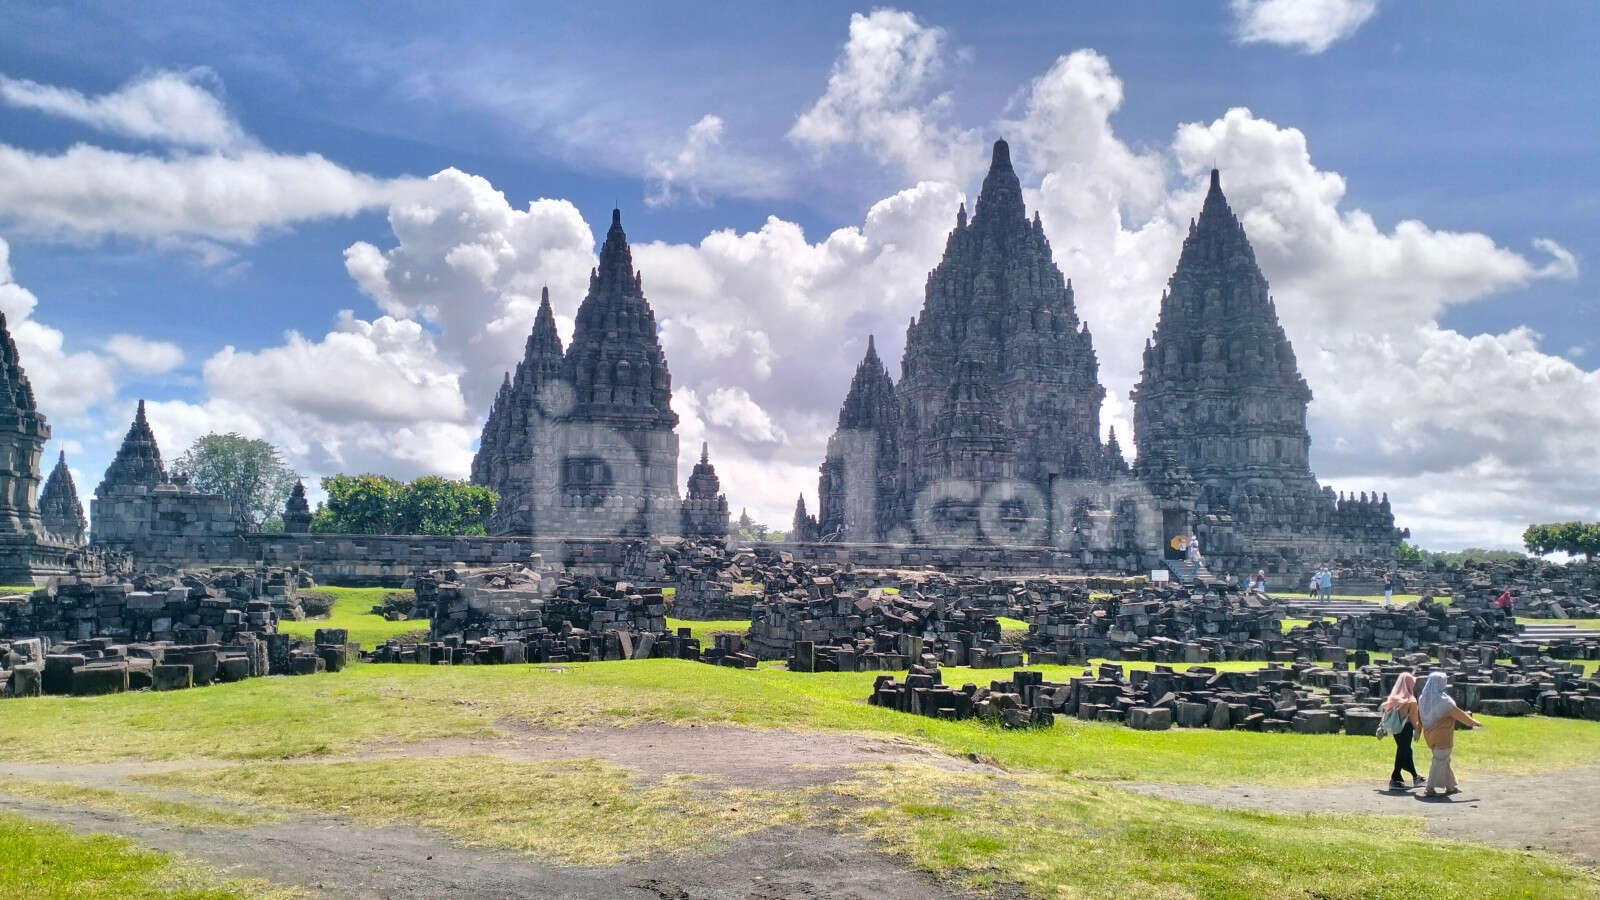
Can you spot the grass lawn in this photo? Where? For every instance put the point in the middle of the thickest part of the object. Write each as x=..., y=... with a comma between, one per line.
x=705, y=628
x=43, y=861
x=1009, y=624
x=17, y=589
x=1587, y=624
x=1052, y=836
x=140, y=806
x=569, y=812
x=352, y=609
x=267, y=718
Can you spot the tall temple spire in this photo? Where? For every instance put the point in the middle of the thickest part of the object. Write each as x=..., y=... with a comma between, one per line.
x=138, y=461
x=59, y=507
x=1000, y=199
x=1221, y=393
x=297, y=510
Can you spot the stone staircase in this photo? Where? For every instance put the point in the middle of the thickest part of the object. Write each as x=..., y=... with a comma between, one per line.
x=1302, y=607
x=1186, y=572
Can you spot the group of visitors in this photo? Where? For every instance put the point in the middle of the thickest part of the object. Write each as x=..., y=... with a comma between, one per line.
x=1321, y=586
x=1435, y=714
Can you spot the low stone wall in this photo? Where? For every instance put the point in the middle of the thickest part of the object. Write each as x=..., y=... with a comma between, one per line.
x=387, y=560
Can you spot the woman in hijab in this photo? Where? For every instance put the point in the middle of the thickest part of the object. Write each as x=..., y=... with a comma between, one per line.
x=1403, y=698
x=1437, y=715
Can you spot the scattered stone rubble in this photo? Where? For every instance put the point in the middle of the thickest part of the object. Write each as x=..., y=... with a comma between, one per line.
x=179, y=606
x=158, y=632
x=1301, y=697
x=517, y=613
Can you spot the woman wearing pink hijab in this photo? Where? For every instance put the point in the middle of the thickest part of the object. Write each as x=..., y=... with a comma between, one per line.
x=1403, y=697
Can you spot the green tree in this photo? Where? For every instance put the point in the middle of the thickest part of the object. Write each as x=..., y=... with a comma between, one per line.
x=1571, y=538
x=1408, y=553
x=357, y=504
x=375, y=504
x=250, y=472
x=434, y=505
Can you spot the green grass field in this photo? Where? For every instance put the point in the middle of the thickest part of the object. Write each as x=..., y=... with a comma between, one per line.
x=393, y=705
x=352, y=609
x=38, y=860
x=1586, y=624
x=703, y=629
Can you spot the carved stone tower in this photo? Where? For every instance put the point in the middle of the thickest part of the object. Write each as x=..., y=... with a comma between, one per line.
x=26, y=549
x=858, y=488
x=517, y=455
x=618, y=444
x=1000, y=384
x=296, y=510
x=59, y=508
x=705, y=509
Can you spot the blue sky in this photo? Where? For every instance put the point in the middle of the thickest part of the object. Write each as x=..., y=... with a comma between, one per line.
x=1464, y=117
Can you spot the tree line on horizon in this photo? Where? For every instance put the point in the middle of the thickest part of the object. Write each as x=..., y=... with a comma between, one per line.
x=252, y=474
x=1571, y=538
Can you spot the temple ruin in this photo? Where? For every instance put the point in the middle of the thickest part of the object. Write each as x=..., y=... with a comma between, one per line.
x=992, y=435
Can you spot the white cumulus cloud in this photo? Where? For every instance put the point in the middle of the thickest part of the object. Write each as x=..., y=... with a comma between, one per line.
x=65, y=383
x=144, y=355
x=1308, y=25
x=206, y=184
x=881, y=96
x=166, y=107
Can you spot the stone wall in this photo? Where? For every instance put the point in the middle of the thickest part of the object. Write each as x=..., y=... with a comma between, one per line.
x=387, y=560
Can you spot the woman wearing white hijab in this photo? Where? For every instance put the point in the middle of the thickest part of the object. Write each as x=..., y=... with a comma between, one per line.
x=1437, y=715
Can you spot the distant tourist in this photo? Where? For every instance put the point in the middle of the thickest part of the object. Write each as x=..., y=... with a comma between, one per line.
x=1314, y=586
x=1327, y=583
x=1194, y=552
x=1398, y=712
x=1388, y=589
x=1259, y=585
x=1504, y=601
x=1437, y=715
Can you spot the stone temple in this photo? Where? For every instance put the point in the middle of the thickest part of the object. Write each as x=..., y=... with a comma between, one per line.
x=39, y=537
x=583, y=441
x=992, y=434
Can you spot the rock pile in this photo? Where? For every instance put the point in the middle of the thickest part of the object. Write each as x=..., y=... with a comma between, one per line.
x=868, y=623
x=518, y=603
x=1018, y=703
x=33, y=666
x=1157, y=622
x=186, y=607
x=710, y=583
x=1303, y=697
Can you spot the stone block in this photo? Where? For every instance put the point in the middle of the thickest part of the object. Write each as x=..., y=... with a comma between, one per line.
x=1191, y=715
x=233, y=668
x=1513, y=707
x=1361, y=722
x=27, y=680
x=1145, y=718
x=170, y=677
x=103, y=678
x=1315, y=721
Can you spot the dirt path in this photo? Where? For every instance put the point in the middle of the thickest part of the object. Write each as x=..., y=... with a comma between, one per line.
x=1558, y=812
x=335, y=859
x=338, y=859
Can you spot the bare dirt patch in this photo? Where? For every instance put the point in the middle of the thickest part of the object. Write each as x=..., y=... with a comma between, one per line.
x=741, y=757
x=1559, y=812
x=334, y=858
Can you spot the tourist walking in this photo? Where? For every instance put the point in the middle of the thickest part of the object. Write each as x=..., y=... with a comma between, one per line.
x=1399, y=710
x=1314, y=586
x=1437, y=715
x=1388, y=589
x=1326, y=579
